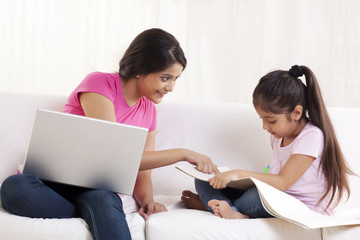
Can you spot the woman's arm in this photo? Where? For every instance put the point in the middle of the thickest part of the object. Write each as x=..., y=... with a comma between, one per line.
x=143, y=191
x=294, y=168
x=162, y=158
x=98, y=106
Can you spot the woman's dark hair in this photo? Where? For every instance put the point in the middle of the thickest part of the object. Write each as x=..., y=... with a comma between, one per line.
x=151, y=51
x=279, y=92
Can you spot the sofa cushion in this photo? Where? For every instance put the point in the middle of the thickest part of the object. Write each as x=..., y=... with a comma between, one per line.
x=16, y=227
x=194, y=224
x=341, y=233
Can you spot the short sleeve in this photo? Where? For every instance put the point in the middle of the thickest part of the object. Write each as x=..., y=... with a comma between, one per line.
x=310, y=143
x=97, y=82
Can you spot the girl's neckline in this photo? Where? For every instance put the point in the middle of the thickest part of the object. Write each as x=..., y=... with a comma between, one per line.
x=293, y=140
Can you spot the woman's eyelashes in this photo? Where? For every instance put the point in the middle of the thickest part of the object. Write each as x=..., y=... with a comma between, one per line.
x=168, y=77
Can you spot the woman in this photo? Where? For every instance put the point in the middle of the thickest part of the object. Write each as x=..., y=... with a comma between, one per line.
x=148, y=71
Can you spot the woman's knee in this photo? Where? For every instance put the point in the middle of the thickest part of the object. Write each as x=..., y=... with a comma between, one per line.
x=19, y=184
x=15, y=189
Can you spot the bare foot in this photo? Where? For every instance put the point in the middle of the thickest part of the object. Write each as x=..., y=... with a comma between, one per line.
x=222, y=209
x=192, y=201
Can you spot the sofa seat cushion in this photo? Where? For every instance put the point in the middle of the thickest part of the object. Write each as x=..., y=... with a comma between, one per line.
x=194, y=224
x=341, y=232
x=171, y=202
x=16, y=227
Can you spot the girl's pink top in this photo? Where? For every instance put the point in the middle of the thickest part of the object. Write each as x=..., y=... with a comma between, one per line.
x=311, y=186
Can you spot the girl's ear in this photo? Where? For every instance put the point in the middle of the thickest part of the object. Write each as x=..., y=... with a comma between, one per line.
x=297, y=113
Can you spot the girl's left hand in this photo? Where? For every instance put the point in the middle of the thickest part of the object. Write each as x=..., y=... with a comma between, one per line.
x=151, y=208
x=220, y=180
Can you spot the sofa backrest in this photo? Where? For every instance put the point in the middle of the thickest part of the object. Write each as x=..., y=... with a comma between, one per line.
x=17, y=116
x=345, y=122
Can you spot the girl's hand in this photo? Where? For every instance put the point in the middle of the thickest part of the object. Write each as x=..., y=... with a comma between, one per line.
x=151, y=208
x=203, y=163
x=220, y=180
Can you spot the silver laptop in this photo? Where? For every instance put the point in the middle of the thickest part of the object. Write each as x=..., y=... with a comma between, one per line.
x=85, y=152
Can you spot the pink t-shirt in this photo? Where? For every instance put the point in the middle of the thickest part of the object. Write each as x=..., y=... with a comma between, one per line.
x=311, y=186
x=142, y=114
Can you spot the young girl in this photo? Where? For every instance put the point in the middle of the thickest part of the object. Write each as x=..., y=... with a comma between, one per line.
x=306, y=163
x=148, y=71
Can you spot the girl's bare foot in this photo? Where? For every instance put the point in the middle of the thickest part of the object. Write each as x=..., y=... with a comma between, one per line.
x=192, y=201
x=222, y=209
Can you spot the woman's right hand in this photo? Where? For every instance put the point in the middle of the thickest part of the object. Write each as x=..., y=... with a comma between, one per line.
x=203, y=163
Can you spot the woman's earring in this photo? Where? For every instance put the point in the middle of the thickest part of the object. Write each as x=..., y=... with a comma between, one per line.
x=137, y=76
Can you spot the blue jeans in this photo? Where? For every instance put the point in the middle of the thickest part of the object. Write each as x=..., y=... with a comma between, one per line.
x=246, y=202
x=26, y=195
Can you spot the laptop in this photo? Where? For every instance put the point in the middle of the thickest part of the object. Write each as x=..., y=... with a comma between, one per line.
x=84, y=151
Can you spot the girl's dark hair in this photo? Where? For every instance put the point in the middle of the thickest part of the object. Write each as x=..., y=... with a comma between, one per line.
x=279, y=92
x=151, y=51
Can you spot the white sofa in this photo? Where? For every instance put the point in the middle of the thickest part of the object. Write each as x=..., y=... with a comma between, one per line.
x=231, y=134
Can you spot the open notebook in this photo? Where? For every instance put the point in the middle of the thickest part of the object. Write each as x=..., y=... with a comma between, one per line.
x=278, y=203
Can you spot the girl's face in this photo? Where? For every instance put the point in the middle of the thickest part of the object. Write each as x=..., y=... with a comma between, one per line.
x=155, y=86
x=280, y=125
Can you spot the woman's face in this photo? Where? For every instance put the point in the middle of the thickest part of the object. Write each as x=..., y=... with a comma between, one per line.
x=155, y=86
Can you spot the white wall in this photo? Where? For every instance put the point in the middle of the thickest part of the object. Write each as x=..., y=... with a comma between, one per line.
x=48, y=46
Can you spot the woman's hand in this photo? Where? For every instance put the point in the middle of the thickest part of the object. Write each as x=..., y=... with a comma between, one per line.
x=151, y=208
x=220, y=180
x=203, y=163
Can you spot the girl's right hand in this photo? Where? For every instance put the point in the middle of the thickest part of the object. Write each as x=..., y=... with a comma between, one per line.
x=203, y=163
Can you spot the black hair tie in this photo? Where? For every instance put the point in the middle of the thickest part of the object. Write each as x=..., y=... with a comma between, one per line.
x=296, y=71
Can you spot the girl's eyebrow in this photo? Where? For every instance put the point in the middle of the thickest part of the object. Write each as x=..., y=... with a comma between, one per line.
x=267, y=117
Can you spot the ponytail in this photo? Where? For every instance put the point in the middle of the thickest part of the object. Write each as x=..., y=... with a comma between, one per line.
x=333, y=163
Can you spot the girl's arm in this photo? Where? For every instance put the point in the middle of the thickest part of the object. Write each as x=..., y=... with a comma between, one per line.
x=294, y=168
x=98, y=106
